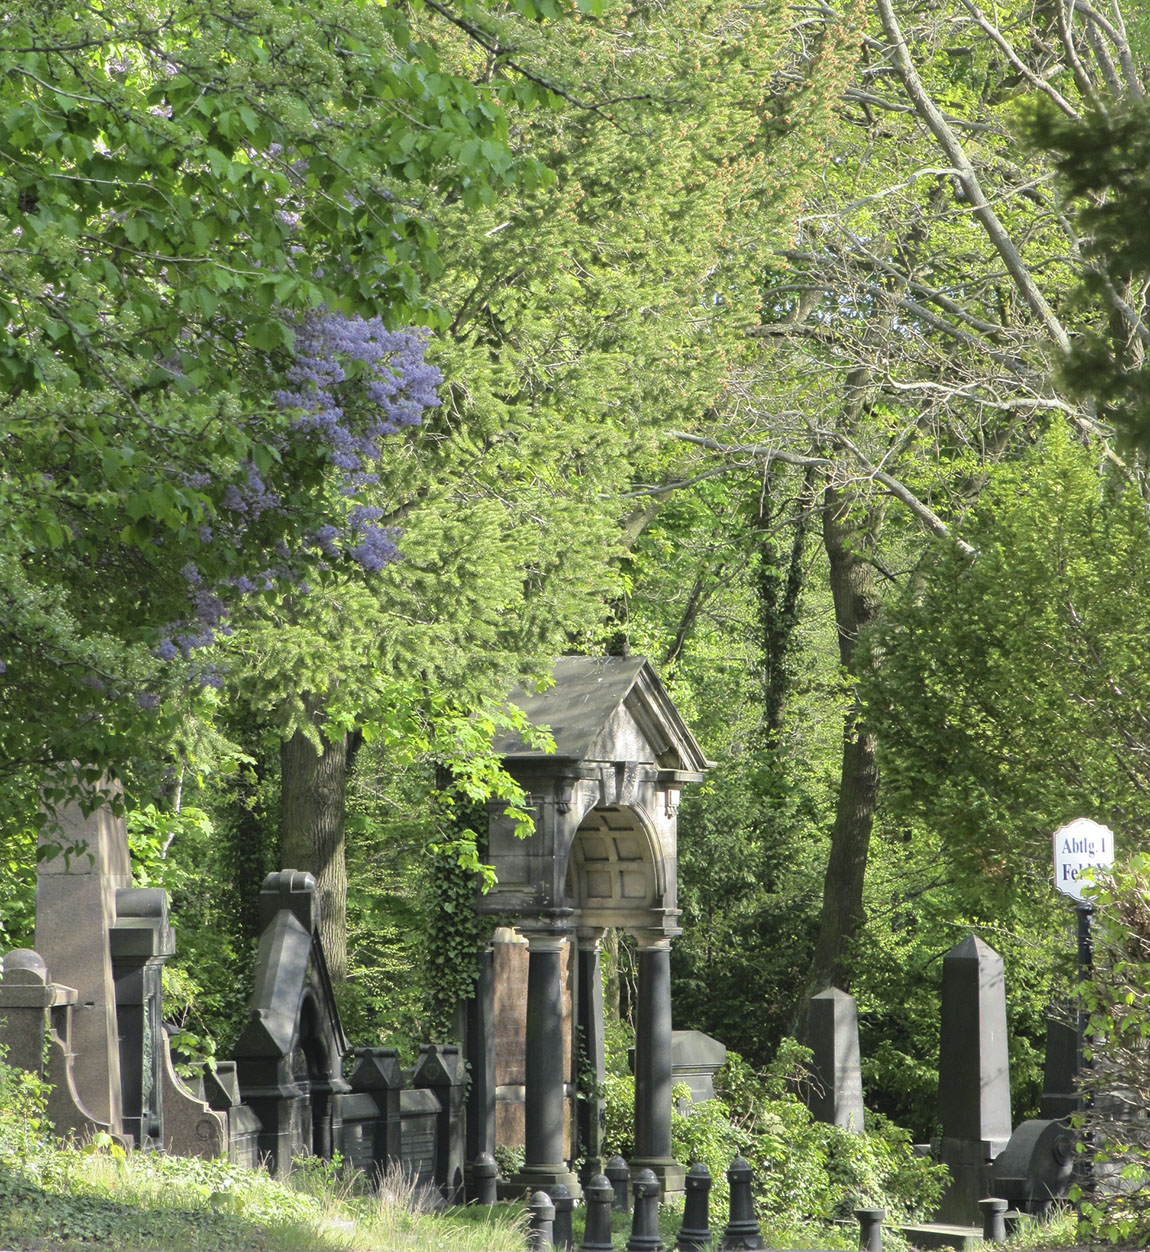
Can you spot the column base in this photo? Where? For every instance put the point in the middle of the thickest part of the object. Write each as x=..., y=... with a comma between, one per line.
x=539, y=1178
x=671, y=1175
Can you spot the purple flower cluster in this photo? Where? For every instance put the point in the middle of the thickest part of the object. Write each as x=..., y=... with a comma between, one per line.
x=354, y=383
x=389, y=386
x=252, y=497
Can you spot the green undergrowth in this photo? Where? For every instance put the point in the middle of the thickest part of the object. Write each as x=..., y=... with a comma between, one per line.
x=67, y=1197
x=1060, y=1229
x=56, y=1195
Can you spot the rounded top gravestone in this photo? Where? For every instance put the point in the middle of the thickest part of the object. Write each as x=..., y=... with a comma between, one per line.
x=1078, y=846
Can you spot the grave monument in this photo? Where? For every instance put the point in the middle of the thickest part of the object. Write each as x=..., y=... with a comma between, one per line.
x=973, y=1075
x=836, y=1094
x=603, y=854
x=90, y=992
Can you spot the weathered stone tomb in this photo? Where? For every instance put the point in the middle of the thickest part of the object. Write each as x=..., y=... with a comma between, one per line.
x=603, y=854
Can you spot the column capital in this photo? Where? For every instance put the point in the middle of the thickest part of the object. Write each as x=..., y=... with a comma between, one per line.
x=654, y=939
x=590, y=937
x=546, y=934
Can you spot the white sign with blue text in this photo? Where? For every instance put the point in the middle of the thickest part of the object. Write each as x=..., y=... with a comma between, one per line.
x=1078, y=846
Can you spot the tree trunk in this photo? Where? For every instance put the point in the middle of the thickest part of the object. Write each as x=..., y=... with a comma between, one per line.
x=777, y=595
x=856, y=600
x=312, y=825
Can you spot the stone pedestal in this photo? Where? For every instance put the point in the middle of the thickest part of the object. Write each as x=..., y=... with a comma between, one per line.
x=543, y=1164
x=653, y=1066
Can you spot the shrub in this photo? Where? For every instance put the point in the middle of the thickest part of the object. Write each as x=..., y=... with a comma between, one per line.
x=1114, y=1200
x=804, y=1169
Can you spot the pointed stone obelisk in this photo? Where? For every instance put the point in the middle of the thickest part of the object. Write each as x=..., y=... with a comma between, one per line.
x=833, y=1037
x=973, y=1075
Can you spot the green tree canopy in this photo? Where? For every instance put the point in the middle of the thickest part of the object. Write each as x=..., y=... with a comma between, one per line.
x=205, y=212
x=1012, y=695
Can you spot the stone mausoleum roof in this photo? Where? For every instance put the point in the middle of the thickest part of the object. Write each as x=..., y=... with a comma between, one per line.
x=606, y=709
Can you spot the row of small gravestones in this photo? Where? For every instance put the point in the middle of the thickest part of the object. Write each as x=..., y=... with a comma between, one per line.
x=549, y=1214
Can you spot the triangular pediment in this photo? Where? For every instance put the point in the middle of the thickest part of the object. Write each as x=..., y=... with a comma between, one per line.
x=612, y=709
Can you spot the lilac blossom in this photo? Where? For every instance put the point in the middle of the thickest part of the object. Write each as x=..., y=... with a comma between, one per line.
x=390, y=393
x=351, y=386
x=351, y=415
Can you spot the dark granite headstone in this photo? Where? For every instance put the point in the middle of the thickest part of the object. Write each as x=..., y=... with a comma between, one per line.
x=141, y=941
x=973, y=1075
x=836, y=1095
x=695, y=1059
x=377, y=1074
x=441, y=1069
x=290, y=1054
x=419, y=1120
x=1060, y=1070
x=1037, y=1168
x=222, y=1094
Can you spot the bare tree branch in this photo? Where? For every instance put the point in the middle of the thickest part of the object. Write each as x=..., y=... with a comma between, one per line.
x=1003, y=44
x=971, y=185
x=898, y=490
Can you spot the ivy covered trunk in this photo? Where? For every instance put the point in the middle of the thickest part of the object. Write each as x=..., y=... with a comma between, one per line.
x=848, y=536
x=312, y=826
x=778, y=586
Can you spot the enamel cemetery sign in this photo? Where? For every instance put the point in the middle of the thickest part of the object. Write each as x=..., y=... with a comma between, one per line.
x=1078, y=846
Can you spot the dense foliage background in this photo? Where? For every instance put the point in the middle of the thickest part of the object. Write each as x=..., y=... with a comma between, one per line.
x=359, y=361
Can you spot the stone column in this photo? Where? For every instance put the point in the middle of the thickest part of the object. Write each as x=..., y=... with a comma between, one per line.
x=591, y=1068
x=653, y=1065
x=480, y=1048
x=544, y=1070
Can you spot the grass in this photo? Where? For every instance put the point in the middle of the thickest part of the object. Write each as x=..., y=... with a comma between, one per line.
x=63, y=1197
x=58, y=1197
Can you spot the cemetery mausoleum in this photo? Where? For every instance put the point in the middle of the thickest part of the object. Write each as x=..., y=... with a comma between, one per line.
x=603, y=854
